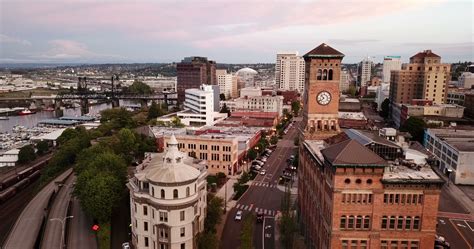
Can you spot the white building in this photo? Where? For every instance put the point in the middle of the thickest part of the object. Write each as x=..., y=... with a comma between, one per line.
x=201, y=106
x=250, y=92
x=454, y=150
x=290, y=72
x=466, y=79
x=168, y=200
x=247, y=77
x=345, y=80
x=256, y=103
x=9, y=158
x=382, y=93
x=390, y=63
x=226, y=82
x=365, y=70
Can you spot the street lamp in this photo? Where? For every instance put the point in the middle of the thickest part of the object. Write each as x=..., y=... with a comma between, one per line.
x=63, y=227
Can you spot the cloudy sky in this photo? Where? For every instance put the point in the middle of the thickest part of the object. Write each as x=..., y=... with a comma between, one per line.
x=230, y=31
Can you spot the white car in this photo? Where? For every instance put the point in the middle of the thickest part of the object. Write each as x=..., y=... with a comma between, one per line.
x=263, y=172
x=238, y=215
x=263, y=159
x=126, y=245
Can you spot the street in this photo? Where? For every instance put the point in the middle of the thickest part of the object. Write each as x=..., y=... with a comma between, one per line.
x=263, y=196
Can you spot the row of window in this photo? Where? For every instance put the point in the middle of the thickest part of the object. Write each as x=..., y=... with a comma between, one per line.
x=355, y=198
x=402, y=244
x=161, y=246
x=175, y=192
x=352, y=222
x=403, y=198
x=401, y=223
x=354, y=244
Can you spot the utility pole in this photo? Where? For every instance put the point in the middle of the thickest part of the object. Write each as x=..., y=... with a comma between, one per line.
x=63, y=225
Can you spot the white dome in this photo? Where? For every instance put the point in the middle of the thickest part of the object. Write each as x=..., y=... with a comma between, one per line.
x=172, y=167
x=247, y=70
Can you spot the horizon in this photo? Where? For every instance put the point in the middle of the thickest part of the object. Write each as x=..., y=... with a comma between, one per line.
x=239, y=32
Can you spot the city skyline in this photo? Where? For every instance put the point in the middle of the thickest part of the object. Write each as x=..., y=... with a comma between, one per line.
x=84, y=31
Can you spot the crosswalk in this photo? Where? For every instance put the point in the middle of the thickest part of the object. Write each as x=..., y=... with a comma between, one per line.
x=250, y=208
x=264, y=184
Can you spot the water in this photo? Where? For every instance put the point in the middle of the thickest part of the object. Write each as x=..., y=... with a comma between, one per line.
x=32, y=120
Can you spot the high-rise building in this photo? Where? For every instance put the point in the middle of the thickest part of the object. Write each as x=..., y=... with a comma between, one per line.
x=168, y=200
x=365, y=71
x=425, y=77
x=345, y=80
x=390, y=63
x=194, y=71
x=289, y=71
x=348, y=196
x=226, y=82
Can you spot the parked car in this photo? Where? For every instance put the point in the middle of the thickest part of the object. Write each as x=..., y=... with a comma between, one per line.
x=257, y=162
x=263, y=172
x=238, y=215
x=256, y=167
x=263, y=159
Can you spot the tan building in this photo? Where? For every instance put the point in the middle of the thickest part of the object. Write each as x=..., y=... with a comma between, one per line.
x=425, y=77
x=220, y=152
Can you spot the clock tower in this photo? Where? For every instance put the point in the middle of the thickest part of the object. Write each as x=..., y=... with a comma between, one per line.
x=321, y=97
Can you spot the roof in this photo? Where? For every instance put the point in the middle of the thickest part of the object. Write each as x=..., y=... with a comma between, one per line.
x=78, y=118
x=425, y=53
x=460, y=139
x=58, y=122
x=399, y=174
x=350, y=152
x=172, y=167
x=247, y=70
x=366, y=138
x=324, y=50
x=50, y=136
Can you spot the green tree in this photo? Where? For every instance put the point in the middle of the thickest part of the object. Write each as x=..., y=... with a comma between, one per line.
x=252, y=154
x=42, y=147
x=176, y=122
x=117, y=118
x=155, y=111
x=274, y=140
x=352, y=91
x=225, y=109
x=295, y=107
x=246, y=234
x=214, y=213
x=385, y=108
x=207, y=240
x=287, y=224
x=222, y=97
x=139, y=87
x=416, y=127
x=26, y=154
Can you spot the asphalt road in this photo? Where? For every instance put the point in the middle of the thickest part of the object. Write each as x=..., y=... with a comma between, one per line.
x=53, y=230
x=263, y=195
x=27, y=226
x=80, y=234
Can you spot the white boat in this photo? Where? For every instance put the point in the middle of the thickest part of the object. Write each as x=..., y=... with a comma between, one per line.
x=4, y=118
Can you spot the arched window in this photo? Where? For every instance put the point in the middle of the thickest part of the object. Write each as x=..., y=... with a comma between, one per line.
x=330, y=74
x=153, y=191
x=384, y=222
x=162, y=193
x=416, y=223
x=359, y=222
x=175, y=194
x=318, y=75
x=325, y=74
x=187, y=192
x=367, y=222
x=343, y=222
x=350, y=223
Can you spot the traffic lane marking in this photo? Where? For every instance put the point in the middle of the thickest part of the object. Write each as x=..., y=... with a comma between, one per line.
x=457, y=228
x=268, y=232
x=465, y=229
x=448, y=231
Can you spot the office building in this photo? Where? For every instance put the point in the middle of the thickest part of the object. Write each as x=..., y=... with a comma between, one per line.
x=289, y=71
x=382, y=92
x=390, y=63
x=345, y=81
x=348, y=196
x=256, y=103
x=365, y=72
x=201, y=106
x=227, y=83
x=193, y=72
x=454, y=151
x=168, y=200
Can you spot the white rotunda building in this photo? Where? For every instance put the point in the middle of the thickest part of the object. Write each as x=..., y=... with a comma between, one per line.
x=168, y=200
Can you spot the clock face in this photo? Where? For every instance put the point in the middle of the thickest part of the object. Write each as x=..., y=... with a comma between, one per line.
x=323, y=98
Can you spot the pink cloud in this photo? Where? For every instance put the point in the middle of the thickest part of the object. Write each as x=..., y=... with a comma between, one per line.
x=68, y=49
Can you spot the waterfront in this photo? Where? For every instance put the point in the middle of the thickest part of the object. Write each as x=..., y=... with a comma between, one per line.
x=30, y=121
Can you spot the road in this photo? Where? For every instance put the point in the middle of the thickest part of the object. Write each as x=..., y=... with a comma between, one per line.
x=27, y=226
x=53, y=231
x=80, y=234
x=262, y=196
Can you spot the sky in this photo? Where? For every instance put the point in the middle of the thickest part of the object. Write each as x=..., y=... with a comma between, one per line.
x=230, y=31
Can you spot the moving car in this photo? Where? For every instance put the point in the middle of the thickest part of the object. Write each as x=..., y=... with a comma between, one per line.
x=260, y=217
x=238, y=215
x=263, y=172
x=126, y=245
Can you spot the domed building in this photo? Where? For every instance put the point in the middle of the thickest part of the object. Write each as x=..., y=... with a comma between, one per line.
x=168, y=200
x=246, y=77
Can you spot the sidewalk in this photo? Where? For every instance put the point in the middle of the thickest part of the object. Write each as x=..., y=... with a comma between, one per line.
x=457, y=193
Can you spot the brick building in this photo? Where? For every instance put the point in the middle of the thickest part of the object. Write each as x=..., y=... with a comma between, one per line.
x=348, y=196
x=193, y=72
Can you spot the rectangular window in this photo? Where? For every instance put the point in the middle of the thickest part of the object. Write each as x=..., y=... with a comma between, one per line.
x=146, y=241
x=164, y=216
x=182, y=232
x=145, y=210
x=383, y=244
x=145, y=226
x=414, y=245
x=404, y=244
x=363, y=244
x=345, y=244
x=183, y=246
x=181, y=215
x=394, y=244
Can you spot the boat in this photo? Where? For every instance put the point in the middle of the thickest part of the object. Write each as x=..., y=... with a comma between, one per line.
x=26, y=112
x=49, y=109
x=4, y=118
